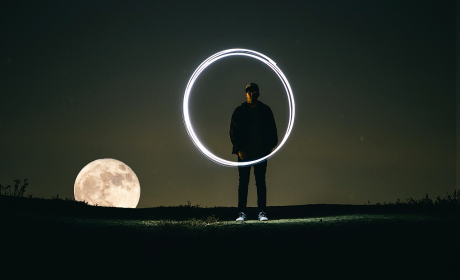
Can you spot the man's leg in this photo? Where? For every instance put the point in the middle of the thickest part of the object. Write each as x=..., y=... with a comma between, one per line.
x=244, y=173
x=259, y=173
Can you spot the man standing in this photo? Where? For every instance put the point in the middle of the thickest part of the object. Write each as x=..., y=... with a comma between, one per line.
x=253, y=135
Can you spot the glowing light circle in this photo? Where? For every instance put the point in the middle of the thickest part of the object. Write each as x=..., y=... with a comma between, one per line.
x=213, y=58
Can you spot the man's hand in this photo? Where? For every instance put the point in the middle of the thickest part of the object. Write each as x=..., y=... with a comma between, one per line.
x=242, y=155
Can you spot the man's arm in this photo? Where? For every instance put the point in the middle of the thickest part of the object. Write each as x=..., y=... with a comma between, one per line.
x=273, y=133
x=235, y=133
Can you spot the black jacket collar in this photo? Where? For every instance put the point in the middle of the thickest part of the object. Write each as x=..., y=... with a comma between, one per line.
x=246, y=105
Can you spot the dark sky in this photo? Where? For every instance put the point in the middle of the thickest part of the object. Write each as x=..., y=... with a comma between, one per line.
x=374, y=84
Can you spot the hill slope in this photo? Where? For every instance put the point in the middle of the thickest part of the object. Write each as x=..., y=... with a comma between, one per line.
x=64, y=238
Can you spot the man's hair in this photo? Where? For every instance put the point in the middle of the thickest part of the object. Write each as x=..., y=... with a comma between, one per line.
x=252, y=87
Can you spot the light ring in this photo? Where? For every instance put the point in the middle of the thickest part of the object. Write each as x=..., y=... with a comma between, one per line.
x=213, y=58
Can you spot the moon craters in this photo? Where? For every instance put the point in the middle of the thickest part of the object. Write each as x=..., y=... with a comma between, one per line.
x=107, y=182
x=117, y=180
x=106, y=176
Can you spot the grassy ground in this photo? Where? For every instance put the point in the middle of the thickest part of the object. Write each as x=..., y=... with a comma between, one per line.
x=68, y=239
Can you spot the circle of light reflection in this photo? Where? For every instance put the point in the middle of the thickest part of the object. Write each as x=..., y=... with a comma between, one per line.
x=213, y=58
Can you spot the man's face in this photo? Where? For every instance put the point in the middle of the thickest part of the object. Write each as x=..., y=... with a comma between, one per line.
x=252, y=95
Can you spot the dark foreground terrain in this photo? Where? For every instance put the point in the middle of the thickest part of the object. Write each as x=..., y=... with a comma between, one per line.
x=66, y=239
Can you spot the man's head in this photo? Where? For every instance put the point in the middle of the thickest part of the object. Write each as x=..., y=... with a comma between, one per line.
x=252, y=92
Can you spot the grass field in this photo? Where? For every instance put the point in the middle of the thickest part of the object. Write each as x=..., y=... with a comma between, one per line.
x=67, y=239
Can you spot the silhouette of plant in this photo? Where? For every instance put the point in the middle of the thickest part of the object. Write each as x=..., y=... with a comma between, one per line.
x=7, y=188
x=17, y=191
x=189, y=205
x=450, y=204
x=23, y=188
x=16, y=187
x=453, y=199
x=426, y=201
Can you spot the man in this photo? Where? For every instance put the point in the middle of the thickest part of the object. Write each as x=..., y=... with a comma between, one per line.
x=253, y=135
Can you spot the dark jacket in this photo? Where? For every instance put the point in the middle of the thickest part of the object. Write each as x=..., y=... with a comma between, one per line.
x=239, y=127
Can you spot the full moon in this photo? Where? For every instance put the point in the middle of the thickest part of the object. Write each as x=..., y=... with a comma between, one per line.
x=108, y=182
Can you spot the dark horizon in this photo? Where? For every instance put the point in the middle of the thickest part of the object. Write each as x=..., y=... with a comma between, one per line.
x=374, y=86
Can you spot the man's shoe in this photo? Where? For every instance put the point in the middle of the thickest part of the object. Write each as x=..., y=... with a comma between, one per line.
x=263, y=216
x=241, y=217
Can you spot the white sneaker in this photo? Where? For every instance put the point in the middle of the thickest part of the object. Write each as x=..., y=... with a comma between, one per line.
x=263, y=216
x=241, y=217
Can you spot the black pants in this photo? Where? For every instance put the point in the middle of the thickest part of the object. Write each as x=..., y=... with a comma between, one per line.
x=259, y=173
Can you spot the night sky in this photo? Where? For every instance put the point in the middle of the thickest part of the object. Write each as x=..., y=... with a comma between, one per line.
x=374, y=84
